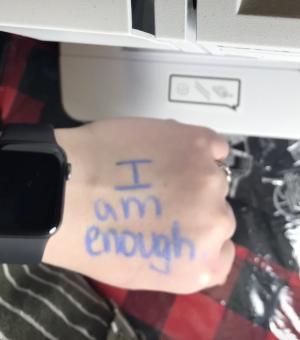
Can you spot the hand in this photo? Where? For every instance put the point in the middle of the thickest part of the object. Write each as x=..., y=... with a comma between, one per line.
x=146, y=206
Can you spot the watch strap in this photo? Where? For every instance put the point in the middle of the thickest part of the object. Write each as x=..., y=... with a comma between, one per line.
x=22, y=250
x=40, y=133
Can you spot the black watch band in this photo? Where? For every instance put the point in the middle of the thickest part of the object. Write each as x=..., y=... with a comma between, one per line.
x=21, y=250
x=40, y=133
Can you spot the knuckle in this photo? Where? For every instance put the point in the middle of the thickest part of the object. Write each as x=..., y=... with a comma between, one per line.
x=221, y=223
x=211, y=141
x=201, y=142
x=205, y=137
x=210, y=133
x=217, y=187
x=214, y=179
x=222, y=142
x=233, y=222
x=225, y=222
x=220, y=147
x=215, y=137
x=219, y=139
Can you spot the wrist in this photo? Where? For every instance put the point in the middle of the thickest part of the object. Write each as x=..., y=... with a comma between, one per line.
x=57, y=248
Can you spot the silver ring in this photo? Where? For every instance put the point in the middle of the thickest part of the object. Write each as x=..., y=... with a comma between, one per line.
x=227, y=171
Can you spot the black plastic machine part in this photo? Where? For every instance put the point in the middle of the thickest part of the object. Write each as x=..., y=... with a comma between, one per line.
x=33, y=172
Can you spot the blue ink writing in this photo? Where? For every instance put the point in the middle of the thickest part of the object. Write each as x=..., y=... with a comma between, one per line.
x=161, y=246
x=105, y=211
x=160, y=251
x=136, y=180
x=92, y=235
x=180, y=242
x=141, y=206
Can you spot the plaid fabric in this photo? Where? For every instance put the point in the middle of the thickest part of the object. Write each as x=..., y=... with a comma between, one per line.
x=29, y=82
x=261, y=298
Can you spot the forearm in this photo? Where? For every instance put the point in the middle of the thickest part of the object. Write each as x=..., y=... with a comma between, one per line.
x=64, y=248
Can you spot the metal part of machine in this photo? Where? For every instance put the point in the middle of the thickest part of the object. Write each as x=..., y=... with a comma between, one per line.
x=231, y=95
x=232, y=65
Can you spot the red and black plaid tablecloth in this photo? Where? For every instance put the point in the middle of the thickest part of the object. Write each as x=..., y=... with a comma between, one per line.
x=261, y=299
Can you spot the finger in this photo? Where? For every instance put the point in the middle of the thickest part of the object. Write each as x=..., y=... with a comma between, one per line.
x=220, y=228
x=229, y=225
x=219, y=146
x=223, y=226
x=223, y=267
x=221, y=182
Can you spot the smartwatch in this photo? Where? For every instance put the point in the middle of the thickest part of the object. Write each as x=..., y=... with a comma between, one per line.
x=33, y=174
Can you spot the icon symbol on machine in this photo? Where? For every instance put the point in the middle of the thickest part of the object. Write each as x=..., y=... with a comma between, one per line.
x=183, y=89
x=222, y=92
x=192, y=89
x=202, y=90
x=219, y=90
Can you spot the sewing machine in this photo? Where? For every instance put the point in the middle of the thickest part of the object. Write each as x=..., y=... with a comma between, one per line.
x=232, y=65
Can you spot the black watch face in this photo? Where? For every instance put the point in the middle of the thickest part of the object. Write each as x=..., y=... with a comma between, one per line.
x=31, y=193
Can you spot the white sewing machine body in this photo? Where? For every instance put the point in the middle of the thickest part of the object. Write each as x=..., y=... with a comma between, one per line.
x=232, y=65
